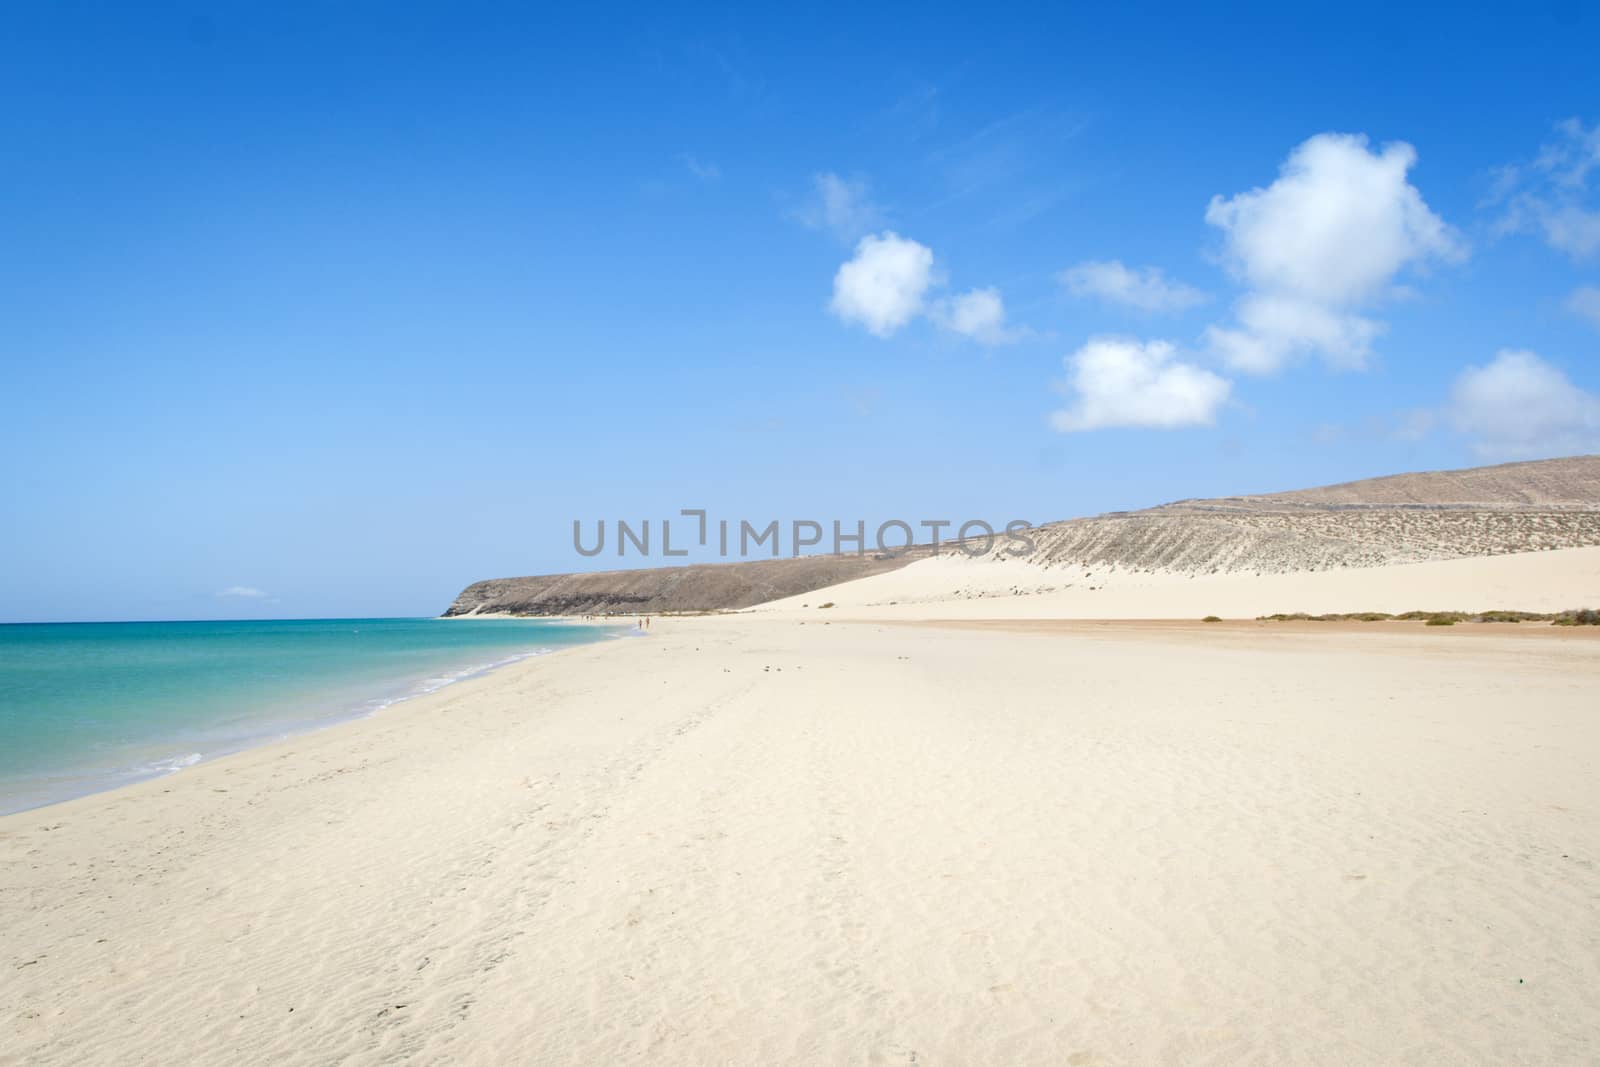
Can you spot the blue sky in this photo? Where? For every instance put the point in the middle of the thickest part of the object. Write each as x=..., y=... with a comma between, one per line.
x=350, y=304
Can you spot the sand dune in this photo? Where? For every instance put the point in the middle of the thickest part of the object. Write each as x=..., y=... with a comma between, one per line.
x=953, y=586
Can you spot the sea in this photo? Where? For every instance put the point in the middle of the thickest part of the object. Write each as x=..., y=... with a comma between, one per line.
x=92, y=706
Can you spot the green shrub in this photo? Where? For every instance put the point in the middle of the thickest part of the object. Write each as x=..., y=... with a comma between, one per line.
x=1212, y=618
x=1510, y=616
x=1578, y=617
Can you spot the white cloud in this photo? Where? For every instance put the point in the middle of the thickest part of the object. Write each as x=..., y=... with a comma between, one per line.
x=1521, y=407
x=1273, y=325
x=882, y=287
x=1336, y=226
x=1123, y=382
x=890, y=280
x=243, y=592
x=1585, y=303
x=1147, y=289
x=1327, y=237
x=841, y=206
x=979, y=314
x=1548, y=196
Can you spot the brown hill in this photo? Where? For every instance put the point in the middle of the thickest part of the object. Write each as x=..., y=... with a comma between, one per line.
x=659, y=590
x=1403, y=518
x=1570, y=482
x=1512, y=507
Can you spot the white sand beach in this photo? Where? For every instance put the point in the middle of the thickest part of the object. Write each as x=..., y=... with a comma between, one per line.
x=789, y=837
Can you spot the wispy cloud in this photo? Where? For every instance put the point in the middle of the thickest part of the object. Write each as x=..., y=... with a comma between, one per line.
x=1585, y=303
x=1551, y=196
x=702, y=169
x=1408, y=426
x=1015, y=160
x=977, y=314
x=841, y=206
x=725, y=58
x=243, y=592
x=914, y=114
x=1146, y=289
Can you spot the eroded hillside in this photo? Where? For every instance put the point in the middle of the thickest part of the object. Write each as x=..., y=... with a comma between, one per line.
x=1405, y=518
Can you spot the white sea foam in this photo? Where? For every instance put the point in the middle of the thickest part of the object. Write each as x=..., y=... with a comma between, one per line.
x=171, y=765
x=439, y=681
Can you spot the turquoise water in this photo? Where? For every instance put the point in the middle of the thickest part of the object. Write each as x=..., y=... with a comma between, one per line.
x=88, y=706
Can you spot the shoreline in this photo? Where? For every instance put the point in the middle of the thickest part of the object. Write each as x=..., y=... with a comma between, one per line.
x=230, y=762
x=1227, y=629
x=282, y=724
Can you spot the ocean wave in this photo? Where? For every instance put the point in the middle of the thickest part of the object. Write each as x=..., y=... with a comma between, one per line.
x=437, y=682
